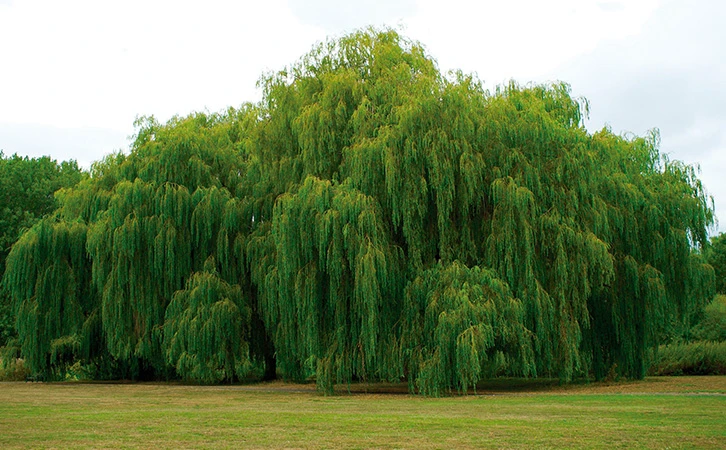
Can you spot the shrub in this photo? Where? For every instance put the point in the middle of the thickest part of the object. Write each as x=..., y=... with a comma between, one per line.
x=13, y=370
x=696, y=358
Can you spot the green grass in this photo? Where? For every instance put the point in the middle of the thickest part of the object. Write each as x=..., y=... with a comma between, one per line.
x=684, y=412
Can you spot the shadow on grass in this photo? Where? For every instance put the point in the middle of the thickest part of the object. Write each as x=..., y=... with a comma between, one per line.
x=497, y=386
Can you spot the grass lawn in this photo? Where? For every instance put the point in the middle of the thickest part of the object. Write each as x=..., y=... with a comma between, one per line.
x=682, y=412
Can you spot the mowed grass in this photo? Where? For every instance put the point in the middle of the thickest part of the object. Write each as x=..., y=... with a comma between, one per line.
x=680, y=412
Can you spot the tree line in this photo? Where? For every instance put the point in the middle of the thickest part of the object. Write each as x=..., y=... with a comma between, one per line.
x=369, y=219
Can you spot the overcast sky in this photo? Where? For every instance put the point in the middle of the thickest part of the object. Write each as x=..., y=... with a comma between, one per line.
x=74, y=74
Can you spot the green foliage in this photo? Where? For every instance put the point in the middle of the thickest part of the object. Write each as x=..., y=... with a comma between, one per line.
x=12, y=367
x=461, y=324
x=48, y=273
x=695, y=358
x=14, y=370
x=716, y=256
x=205, y=328
x=369, y=219
x=7, y=318
x=326, y=295
x=27, y=186
x=712, y=326
x=103, y=271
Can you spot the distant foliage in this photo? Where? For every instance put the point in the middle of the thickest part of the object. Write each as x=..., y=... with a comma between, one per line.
x=696, y=358
x=712, y=326
x=704, y=353
x=369, y=219
x=716, y=256
x=13, y=370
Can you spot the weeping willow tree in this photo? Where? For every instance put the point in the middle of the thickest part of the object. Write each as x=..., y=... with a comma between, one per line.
x=121, y=265
x=508, y=181
x=372, y=219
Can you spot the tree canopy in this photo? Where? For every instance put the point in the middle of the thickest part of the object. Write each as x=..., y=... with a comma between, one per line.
x=370, y=219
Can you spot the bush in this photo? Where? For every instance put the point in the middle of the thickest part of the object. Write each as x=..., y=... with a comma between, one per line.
x=13, y=370
x=696, y=358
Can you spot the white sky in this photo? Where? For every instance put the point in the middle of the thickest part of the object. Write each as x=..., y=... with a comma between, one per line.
x=74, y=74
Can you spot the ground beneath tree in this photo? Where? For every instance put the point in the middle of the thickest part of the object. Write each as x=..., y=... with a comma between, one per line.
x=690, y=385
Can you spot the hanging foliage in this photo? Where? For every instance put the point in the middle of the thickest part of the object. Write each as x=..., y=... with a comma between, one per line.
x=332, y=298
x=48, y=276
x=460, y=325
x=27, y=189
x=141, y=226
x=205, y=328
